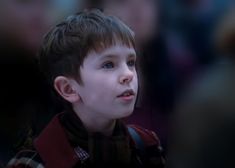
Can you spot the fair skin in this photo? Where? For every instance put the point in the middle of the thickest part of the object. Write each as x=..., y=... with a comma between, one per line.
x=108, y=91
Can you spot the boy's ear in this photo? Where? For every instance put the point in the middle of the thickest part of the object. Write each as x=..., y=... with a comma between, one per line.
x=64, y=86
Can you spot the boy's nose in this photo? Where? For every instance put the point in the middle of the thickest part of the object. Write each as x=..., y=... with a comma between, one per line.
x=126, y=77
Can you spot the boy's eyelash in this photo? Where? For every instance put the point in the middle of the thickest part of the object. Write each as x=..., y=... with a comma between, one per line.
x=111, y=64
x=131, y=62
x=108, y=65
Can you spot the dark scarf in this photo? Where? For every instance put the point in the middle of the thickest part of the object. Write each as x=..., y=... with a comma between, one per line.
x=104, y=151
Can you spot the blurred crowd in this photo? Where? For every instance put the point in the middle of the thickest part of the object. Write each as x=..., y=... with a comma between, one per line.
x=186, y=67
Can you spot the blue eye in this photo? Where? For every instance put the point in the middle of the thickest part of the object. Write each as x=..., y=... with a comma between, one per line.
x=131, y=63
x=108, y=65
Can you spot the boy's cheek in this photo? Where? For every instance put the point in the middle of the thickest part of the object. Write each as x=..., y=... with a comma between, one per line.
x=136, y=83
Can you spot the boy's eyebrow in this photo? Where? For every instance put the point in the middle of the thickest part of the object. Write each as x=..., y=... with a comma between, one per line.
x=105, y=56
x=132, y=55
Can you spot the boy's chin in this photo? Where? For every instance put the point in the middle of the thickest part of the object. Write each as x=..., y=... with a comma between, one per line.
x=127, y=113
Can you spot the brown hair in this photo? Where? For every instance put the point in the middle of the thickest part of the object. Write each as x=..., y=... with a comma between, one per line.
x=68, y=43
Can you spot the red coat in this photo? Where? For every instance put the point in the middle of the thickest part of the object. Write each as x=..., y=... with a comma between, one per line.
x=53, y=149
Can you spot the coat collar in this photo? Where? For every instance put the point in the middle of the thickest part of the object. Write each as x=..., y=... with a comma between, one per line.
x=54, y=148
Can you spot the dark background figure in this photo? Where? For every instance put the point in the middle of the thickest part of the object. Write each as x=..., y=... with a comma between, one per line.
x=23, y=96
x=204, y=122
x=190, y=25
x=27, y=102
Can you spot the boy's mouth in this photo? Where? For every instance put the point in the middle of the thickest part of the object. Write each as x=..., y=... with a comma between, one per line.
x=128, y=93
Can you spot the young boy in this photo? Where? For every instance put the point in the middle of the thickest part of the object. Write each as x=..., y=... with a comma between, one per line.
x=90, y=60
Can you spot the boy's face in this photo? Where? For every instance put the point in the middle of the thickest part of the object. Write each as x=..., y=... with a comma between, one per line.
x=110, y=84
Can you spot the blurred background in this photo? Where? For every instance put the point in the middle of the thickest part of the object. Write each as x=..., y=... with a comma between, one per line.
x=186, y=52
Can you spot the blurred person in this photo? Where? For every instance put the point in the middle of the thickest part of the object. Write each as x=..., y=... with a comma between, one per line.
x=23, y=23
x=23, y=92
x=193, y=21
x=139, y=15
x=204, y=123
x=60, y=9
x=190, y=24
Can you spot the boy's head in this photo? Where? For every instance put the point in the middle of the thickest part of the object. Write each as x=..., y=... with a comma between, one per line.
x=67, y=44
x=90, y=60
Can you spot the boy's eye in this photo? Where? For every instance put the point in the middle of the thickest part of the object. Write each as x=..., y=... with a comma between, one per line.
x=131, y=63
x=108, y=65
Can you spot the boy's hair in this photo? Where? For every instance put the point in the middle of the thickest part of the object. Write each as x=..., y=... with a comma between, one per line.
x=68, y=43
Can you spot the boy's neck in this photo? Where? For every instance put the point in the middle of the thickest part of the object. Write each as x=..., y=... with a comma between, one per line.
x=94, y=123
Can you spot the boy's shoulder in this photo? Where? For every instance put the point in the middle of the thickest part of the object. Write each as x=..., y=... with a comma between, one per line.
x=26, y=159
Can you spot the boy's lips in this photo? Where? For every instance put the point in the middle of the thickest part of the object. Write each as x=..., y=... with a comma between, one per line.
x=127, y=94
